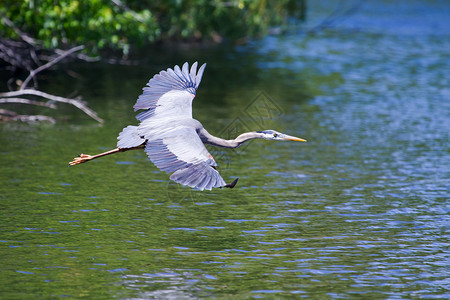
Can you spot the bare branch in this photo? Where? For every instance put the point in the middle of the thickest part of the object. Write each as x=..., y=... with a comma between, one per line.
x=21, y=34
x=127, y=9
x=77, y=103
x=26, y=101
x=49, y=64
x=81, y=56
x=27, y=53
x=7, y=115
x=340, y=12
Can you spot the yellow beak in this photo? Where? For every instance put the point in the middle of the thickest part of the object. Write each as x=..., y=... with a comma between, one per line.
x=293, y=138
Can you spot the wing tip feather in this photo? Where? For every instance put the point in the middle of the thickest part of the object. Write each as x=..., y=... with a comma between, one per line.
x=175, y=78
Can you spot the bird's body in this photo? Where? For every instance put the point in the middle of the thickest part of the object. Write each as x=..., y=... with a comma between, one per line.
x=172, y=139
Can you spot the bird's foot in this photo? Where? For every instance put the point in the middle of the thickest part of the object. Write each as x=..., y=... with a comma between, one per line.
x=80, y=159
x=231, y=185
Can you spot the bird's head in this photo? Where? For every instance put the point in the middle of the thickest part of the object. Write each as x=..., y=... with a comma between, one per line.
x=278, y=136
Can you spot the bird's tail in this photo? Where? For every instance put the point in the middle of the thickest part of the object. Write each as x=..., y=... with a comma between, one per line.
x=129, y=138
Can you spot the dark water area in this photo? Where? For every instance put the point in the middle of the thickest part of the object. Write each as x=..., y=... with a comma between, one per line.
x=359, y=211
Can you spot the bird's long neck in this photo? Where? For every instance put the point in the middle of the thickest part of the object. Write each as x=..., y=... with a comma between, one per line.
x=240, y=139
x=208, y=138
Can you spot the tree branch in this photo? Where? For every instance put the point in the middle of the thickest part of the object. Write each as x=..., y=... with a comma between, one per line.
x=49, y=64
x=7, y=115
x=77, y=103
x=26, y=101
x=27, y=53
x=22, y=35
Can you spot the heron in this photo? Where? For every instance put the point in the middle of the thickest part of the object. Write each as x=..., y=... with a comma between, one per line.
x=173, y=140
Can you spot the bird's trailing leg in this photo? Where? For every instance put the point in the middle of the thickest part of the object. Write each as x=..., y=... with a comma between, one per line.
x=232, y=185
x=86, y=157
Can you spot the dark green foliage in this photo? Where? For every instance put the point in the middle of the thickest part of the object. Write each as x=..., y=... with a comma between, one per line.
x=101, y=24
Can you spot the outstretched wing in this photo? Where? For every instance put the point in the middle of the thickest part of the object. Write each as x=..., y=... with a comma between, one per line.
x=170, y=89
x=183, y=153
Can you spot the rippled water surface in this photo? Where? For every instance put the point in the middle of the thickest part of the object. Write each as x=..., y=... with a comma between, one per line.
x=360, y=211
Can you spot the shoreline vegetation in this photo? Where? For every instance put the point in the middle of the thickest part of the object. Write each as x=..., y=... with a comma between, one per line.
x=36, y=35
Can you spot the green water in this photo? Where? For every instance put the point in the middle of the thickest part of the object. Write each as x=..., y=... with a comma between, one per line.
x=359, y=211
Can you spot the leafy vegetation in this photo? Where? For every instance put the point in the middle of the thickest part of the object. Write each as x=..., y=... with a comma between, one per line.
x=118, y=24
x=37, y=34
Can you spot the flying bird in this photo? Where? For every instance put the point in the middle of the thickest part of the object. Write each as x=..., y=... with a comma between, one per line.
x=172, y=139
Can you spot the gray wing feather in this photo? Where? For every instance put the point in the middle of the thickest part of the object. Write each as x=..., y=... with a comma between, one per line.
x=199, y=176
x=177, y=71
x=193, y=72
x=169, y=80
x=185, y=72
x=182, y=153
x=161, y=156
x=198, y=78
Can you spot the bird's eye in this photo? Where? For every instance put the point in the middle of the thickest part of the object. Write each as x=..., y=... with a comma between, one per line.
x=275, y=134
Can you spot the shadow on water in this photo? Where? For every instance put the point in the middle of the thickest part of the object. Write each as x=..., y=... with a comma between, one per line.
x=358, y=211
